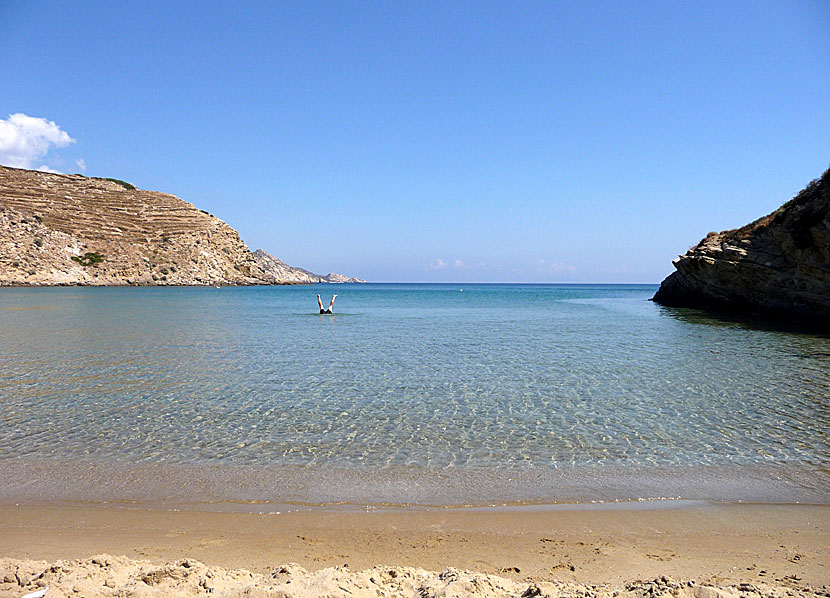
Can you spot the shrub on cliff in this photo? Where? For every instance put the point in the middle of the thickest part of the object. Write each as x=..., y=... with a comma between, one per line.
x=124, y=184
x=90, y=258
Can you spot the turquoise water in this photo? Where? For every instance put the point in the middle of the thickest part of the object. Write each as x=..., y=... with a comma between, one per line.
x=409, y=393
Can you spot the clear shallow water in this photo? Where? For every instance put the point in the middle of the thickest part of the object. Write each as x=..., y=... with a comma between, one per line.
x=410, y=393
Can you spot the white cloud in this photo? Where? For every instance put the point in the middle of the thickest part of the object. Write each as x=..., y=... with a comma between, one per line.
x=24, y=139
x=44, y=168
x=556, y=266
x=460, y=264
x=438, y=264
x=561, y=267
x=623, y=269
x=81, y=163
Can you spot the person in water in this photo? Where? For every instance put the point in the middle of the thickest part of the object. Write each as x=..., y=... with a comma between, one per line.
x=328, y=309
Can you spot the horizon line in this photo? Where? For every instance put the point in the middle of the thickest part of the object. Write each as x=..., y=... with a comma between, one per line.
x=484, y=282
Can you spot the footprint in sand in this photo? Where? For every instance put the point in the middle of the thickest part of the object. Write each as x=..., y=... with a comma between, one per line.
x=569, y=566
x=662, y=557
x=212, y=543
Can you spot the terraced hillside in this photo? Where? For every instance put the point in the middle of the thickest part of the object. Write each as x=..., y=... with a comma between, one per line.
x=71, y=229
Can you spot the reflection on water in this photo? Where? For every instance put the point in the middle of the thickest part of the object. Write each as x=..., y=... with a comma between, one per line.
x=405, y=377
x=734, y=319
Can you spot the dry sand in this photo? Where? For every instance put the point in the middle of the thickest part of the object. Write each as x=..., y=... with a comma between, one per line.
x=700, y=551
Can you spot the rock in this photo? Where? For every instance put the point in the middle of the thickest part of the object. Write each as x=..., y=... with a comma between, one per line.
x=710, y=592
x=281, y=271
x=287, y=570
x=449, y=574
x=120, y=576
x=531, y=591
x=70, y=229
x=337, y=278
x=777, y=266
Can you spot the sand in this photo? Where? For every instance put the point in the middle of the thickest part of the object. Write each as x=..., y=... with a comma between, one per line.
x=700, y=550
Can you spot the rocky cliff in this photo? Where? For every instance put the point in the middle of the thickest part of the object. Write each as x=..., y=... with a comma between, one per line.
x=71, y=229
x=282, y=271
x=778, y=265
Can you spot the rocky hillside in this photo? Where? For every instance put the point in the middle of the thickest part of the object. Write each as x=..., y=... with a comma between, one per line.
x=69, y=229
x=282, y=271
x=778, y=265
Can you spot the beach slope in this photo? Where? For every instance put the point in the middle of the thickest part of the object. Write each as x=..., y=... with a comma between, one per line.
x=701, y=550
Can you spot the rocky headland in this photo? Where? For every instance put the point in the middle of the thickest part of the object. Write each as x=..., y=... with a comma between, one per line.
x=282, y=271
x=777, y=266
x=60, y=229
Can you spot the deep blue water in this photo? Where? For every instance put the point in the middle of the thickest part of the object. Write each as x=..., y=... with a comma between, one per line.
x=479, y=383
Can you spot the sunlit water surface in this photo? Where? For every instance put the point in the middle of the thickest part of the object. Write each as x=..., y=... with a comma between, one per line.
x=409, y=393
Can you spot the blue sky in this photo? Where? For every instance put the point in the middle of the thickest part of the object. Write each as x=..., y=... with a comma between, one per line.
x=439, y=141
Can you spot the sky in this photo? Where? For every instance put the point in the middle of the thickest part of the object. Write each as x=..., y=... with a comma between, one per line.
x=434, y=141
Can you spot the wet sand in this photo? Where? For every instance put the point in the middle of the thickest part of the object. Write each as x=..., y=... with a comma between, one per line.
x=710, y=543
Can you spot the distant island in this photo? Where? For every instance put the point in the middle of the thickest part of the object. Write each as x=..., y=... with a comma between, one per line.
x=60, y=229
x=777, y=266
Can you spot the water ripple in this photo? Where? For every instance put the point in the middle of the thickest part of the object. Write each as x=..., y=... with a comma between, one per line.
x=511, y=377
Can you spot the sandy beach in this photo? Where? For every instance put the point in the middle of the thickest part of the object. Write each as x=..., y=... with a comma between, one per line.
x=637, y=549
x=580, y=346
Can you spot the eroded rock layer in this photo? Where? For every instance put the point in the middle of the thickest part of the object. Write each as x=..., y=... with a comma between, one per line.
x=778, y=265
x=71, y=229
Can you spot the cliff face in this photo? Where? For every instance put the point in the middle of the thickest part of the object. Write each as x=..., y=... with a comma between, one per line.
x=70, y=229
x=283, y=272
x=777, y=265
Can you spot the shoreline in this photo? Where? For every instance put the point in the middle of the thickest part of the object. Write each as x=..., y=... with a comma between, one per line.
x=256, y=489
x=713, y=543
x=267, y=508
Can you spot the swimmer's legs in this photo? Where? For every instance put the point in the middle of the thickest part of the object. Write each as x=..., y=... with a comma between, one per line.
x=332, y=302
x=320, y=302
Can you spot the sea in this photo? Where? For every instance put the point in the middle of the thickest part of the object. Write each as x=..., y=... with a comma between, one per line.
x=415, y=395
